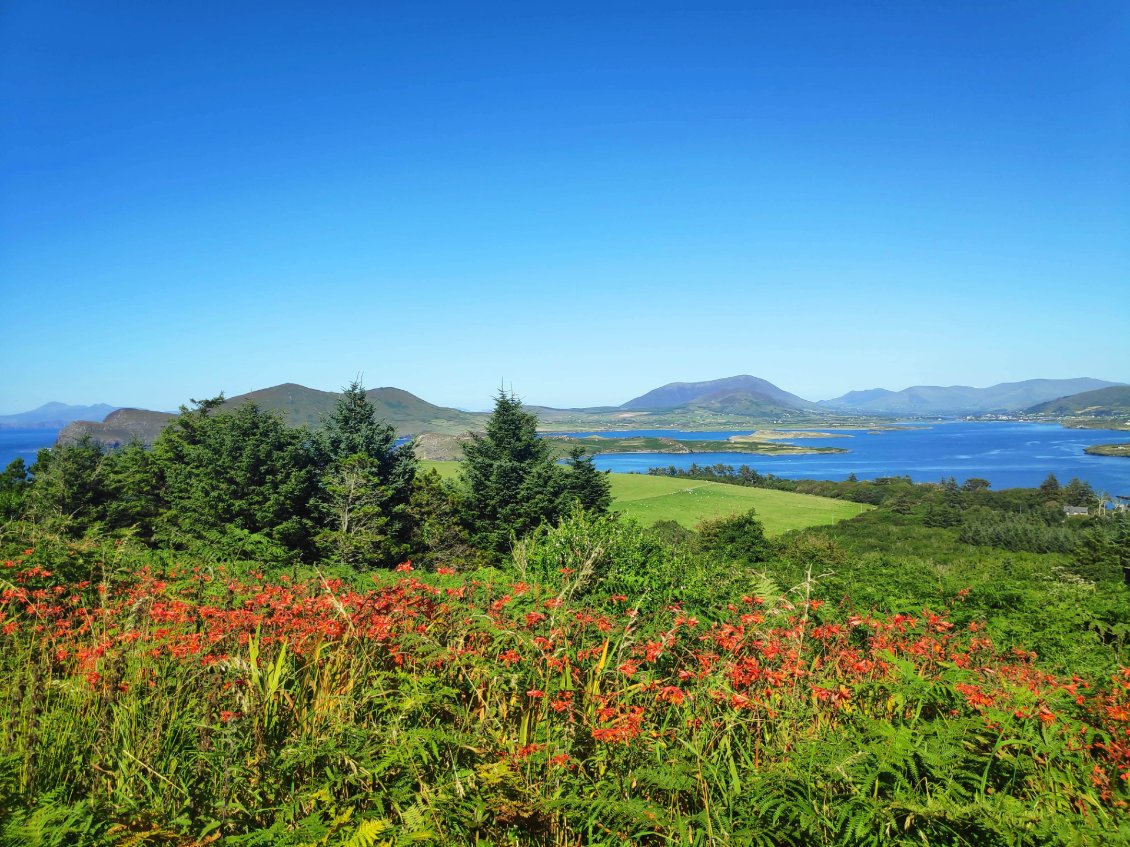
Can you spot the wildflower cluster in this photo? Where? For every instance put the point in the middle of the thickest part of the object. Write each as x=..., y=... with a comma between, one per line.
x=500, y=708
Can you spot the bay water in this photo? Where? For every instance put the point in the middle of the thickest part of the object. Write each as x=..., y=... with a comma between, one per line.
x=1009, y=454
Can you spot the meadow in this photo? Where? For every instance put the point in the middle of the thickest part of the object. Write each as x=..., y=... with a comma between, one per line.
x=650, y=499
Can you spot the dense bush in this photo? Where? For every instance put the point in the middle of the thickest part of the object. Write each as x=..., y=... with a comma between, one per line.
x=199, y=705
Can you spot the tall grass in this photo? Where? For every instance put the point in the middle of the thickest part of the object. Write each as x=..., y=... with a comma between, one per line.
x=197, y=705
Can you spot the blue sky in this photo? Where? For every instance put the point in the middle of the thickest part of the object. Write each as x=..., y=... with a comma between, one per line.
x=582, y=200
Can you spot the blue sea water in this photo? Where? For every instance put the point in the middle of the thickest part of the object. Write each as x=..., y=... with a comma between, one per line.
x=24, y=444
x=1008, y=454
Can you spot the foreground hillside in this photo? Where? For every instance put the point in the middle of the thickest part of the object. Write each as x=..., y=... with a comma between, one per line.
x=200, y=705
x=252, y=634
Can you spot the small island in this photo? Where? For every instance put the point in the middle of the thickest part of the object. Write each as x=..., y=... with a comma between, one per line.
x=1109, y=450
x=658, y=444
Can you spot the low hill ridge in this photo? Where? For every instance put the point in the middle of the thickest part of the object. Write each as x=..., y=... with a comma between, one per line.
x=1103, y=402
x=961, y=399
x=300, y=406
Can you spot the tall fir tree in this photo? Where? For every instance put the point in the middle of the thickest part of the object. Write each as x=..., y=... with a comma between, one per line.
x=585, y=484
x=366, y=483
x=511, y=479
x=227, y=474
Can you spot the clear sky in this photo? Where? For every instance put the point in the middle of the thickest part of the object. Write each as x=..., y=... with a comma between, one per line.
x=582, y=200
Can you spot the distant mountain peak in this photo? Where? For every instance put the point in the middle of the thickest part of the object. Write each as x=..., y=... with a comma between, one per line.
x=55, y=415
x=743, y=394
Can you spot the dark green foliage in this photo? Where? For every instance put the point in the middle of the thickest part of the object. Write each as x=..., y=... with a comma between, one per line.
x=235, y=483
x=1079, y=493
x=68, y=488
x=675, y=534
x=438, y=536
x=941, y=515
x=134, y=494
x=737, y=539
x=14, y=485
x=1104, y=549
x=1050, y=489
x=511, y=479
x=1016, y=531
x=243, y=470
x=355, y=509
x=366, y=484
x=586, y=485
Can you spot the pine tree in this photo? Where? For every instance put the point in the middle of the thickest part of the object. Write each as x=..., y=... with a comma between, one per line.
x=585, y=484
x=1079, y=493
x=1049, y=489
x=366, y=483
x=233, y=473
x=68, y=488
x=511, y=479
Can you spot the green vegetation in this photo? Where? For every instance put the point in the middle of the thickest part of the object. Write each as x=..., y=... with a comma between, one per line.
x=1113, y=401
x=1109, y=450
x=649, y=500
x=219, y=641
x=297, y=405
x=513, y=483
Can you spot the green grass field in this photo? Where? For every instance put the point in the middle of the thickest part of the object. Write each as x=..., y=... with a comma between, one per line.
x=657, y=498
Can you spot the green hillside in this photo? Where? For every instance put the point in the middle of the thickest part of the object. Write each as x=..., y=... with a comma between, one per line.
x=649, y=499
x=688, y=502
x=1105, y=402
x=301, y=406
x=119, y=428
x=408, y=414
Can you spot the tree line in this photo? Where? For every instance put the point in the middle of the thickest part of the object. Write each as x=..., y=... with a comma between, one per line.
x=244, y=484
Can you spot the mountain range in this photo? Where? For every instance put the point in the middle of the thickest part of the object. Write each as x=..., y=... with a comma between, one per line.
x=730, y=401
x=54, y=416
x=961, y=399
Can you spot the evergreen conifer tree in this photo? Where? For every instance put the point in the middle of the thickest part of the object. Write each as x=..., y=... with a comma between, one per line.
x=585, y=484
x=1050, y=489
x=366, y=483
x=511, y=479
